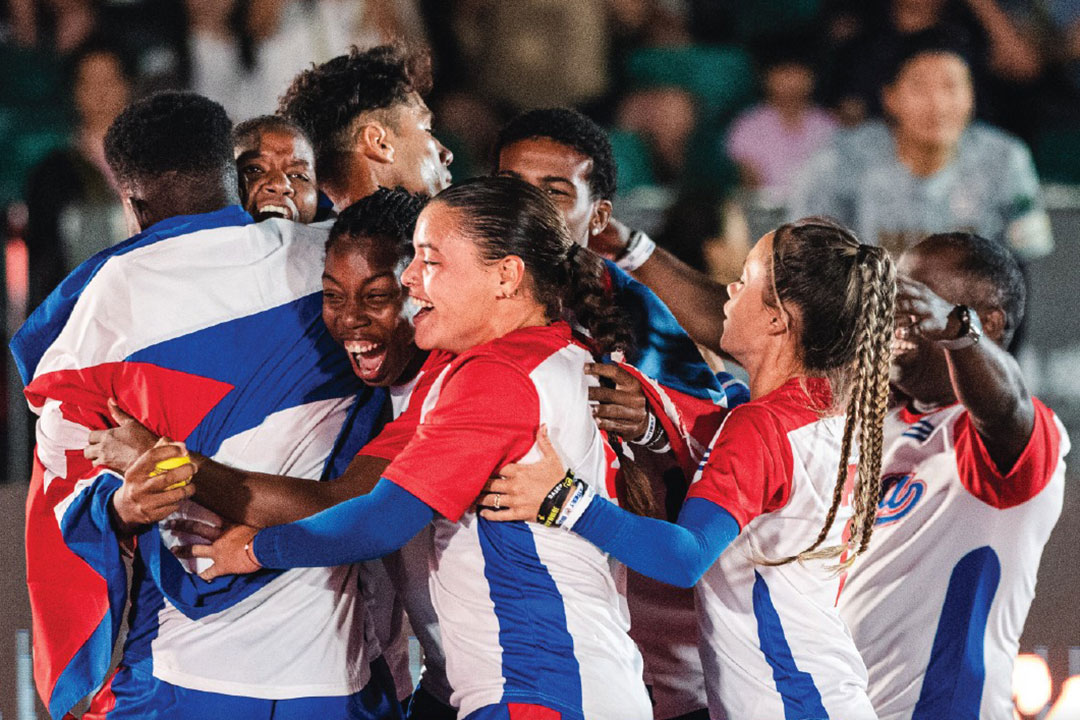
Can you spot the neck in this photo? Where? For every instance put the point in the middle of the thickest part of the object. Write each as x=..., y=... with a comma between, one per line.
x=922, y=159
x=512, y=314
x=412, y=368
x=791, y=114
x=770, y=369
x=154, y=210
x=353, y=180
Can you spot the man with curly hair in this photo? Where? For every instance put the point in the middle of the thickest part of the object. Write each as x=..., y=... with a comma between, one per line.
x=206, y=327
x=366, y=115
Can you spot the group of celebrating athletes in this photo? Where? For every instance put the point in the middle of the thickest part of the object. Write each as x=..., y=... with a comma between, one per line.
x=475, y=406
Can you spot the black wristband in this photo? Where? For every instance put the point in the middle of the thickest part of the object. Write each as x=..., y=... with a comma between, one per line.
x=556, y=498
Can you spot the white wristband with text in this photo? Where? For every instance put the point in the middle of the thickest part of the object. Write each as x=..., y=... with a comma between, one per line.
x=638, y=250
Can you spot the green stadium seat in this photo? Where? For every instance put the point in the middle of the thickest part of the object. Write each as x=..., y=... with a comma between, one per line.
x=632, y=160
x=720, y=77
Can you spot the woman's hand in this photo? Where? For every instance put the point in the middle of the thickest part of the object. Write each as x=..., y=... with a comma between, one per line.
x=519, y=490
x=118, y=448
x=231, y=553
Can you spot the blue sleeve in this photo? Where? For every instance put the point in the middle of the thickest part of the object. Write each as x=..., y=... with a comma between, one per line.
x=363, y=528
x=678, y=554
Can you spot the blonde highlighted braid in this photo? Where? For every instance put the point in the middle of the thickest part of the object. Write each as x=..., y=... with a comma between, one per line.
x=867, y=404
x=846, y=293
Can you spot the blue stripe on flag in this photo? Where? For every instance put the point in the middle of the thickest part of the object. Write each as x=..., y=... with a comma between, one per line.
x=277, y=359
x=797, y=690
x=82, y=526
x=953, y=684
x=538, y=661
x=46, y=322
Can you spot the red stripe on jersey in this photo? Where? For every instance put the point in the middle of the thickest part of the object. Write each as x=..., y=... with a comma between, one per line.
x=749, y=470
x=1027, y=478
x=527, y=711
x=396, y=435
x=485, y=417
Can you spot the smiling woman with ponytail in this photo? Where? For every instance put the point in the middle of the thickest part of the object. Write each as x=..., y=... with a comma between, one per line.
x=531, y=617
x=787, y=496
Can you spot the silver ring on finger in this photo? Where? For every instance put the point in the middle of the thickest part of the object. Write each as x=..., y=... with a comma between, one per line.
x=497, y=502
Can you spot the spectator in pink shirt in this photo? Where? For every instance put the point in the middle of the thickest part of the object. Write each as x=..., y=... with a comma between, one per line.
x=770, y=142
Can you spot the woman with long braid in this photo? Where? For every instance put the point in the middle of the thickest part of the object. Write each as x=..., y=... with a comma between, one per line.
x=779, y=507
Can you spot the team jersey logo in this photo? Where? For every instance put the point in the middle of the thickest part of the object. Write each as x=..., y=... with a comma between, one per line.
x=899, y=494
x=920, y=431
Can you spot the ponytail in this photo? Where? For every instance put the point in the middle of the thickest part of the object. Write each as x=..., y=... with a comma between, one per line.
x=867, y=404
x=588, y=301
x=846, y=292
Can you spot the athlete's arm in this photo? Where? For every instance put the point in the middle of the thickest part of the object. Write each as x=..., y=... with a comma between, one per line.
x=261, y=500
x=678, y=554
x=695, y=299
x=248, y=498
x=363, y=528
x=985, y=378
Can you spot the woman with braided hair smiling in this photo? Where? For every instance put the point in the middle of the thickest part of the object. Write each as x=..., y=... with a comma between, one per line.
x=780, y=507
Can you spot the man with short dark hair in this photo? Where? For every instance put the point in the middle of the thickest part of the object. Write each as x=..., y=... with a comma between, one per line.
x=973, y=473
x=275, y=165
x=569, y=156
x=366, y=115
x=205, y=327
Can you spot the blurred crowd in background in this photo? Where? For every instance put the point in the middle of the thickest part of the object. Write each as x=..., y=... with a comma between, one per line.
x=714, y=106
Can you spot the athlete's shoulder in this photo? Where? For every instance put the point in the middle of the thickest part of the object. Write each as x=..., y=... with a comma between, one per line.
x=524, y=349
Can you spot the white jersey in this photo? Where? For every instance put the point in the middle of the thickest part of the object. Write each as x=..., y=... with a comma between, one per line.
x=938, y=602
x=772, y=641
x=528, y=614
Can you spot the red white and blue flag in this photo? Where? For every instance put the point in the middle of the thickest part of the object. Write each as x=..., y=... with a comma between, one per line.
x=207, y=329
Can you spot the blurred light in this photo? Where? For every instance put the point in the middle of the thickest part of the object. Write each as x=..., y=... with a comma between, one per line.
x=1031, y=684
x=1067, y=706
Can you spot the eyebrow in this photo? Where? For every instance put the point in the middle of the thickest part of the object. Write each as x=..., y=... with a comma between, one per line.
x=377, y=276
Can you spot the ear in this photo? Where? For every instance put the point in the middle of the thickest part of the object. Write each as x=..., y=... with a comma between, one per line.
x=781, y=322
x=136, y=214
x=601, y=215
x=374, y=141
x=511, y=273
x=993, y=322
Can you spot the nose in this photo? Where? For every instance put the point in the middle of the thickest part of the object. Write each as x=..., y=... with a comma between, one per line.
x=410, y=278
x=278, y=182
x=355, y=314
x=445, y=155
x=732, y=289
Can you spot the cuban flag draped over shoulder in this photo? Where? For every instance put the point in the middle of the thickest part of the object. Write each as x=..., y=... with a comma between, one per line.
x=207, y=329
x=691, y=399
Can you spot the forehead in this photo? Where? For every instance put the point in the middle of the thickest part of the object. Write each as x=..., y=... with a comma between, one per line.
x=544, y=157
x=939, y=270
x=275, y=140
x=931, y=66
x=360, y=259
